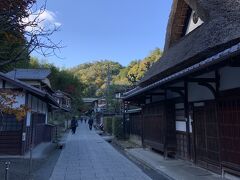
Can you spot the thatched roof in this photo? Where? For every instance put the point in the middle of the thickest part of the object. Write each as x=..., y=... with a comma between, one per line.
x=220, y=30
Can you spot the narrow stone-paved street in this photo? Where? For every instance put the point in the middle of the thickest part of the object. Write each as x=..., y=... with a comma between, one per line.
x=87, y=156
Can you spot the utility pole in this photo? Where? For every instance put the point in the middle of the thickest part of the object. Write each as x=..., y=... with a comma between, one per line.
x=108, y=87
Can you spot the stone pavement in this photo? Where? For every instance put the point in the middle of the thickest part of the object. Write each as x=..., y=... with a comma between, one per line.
x=172, y=168
x=87, y=156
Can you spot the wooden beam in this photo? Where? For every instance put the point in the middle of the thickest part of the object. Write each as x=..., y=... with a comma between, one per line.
x=3, y=84
x=200, y=80
x=155, y=94
x=234, y=62
x=186, y=113
x=217, y=75
x=175, y=88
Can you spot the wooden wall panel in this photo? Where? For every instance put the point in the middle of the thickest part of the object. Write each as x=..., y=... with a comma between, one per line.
x=206, y=133
x=182, y=144
x=10, y=142
x=135, y=124
x=229, y=120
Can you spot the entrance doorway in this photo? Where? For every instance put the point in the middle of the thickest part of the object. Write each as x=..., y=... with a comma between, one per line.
x=206, y=136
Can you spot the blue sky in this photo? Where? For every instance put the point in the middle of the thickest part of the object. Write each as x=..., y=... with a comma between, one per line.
x=119, y=30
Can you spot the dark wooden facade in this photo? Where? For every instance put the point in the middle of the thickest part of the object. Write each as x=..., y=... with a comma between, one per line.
x=201, y=73
x=155, y=126
x=135, y=124
x=10, y=135
x=229, y=132
x=206, y=136
x=181, y=150
x=16, y=138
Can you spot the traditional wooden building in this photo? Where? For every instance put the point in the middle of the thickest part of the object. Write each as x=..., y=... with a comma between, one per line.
x=63, y=99
x=17, y=136
x=190, y=98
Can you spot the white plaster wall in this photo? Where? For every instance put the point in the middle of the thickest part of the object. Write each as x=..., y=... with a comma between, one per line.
x=29, y=101
x=40, y=106
x=157, y=98
x=148, y=101
x=179, y=106
x=46, y=120
x=199, y=93
x=10, y=86
x=191, y=25
x=34, y=104
x=229, y=78
x=28, y=122
x=20, y=100
x=171, y=95
x=181, y=126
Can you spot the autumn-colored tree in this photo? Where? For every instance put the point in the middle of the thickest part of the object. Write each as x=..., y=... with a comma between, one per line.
x=21, y=32
x=7, y=102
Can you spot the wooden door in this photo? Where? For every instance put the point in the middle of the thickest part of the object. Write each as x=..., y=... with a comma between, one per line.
x=229, y=120
x=171, y=142
x=135, y=121
x=154, y=126
x=37, y=128
x=10, y=135
x=206, y=136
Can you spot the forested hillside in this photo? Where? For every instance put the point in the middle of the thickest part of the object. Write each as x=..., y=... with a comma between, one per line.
x=131, y=74
x=90, y=79
x=94, y=75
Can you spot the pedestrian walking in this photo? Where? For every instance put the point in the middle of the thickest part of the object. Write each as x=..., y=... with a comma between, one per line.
x=74, y=125
x=90, y=123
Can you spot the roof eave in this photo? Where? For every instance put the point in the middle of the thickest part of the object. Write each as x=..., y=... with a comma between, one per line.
x=234, y=50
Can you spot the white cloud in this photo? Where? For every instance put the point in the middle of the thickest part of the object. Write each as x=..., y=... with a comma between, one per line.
x=46, y=19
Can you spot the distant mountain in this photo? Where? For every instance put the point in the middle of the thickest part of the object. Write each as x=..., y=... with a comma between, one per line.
x=94, y=74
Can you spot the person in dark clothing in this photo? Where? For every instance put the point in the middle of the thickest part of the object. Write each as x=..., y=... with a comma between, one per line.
x=85, y=120
x=90, y=123
x=74, y=125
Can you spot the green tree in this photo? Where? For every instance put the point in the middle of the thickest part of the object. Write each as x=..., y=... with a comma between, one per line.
x=63, y=80
x=94, y=76
x=131, y=74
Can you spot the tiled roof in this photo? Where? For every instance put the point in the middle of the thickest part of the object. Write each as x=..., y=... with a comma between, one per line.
x=30, y=74
x=27, y=87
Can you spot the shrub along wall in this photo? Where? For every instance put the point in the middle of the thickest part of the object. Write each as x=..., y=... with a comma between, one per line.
x=118, y=127
x=114, y=125
x=108, y=124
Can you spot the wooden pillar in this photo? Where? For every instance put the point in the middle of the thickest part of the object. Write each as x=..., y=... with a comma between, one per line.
x=124, y=120
x=24, y=128
x=186, y=109
x=142, y=125
x=165, y=124
x=217, y=76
